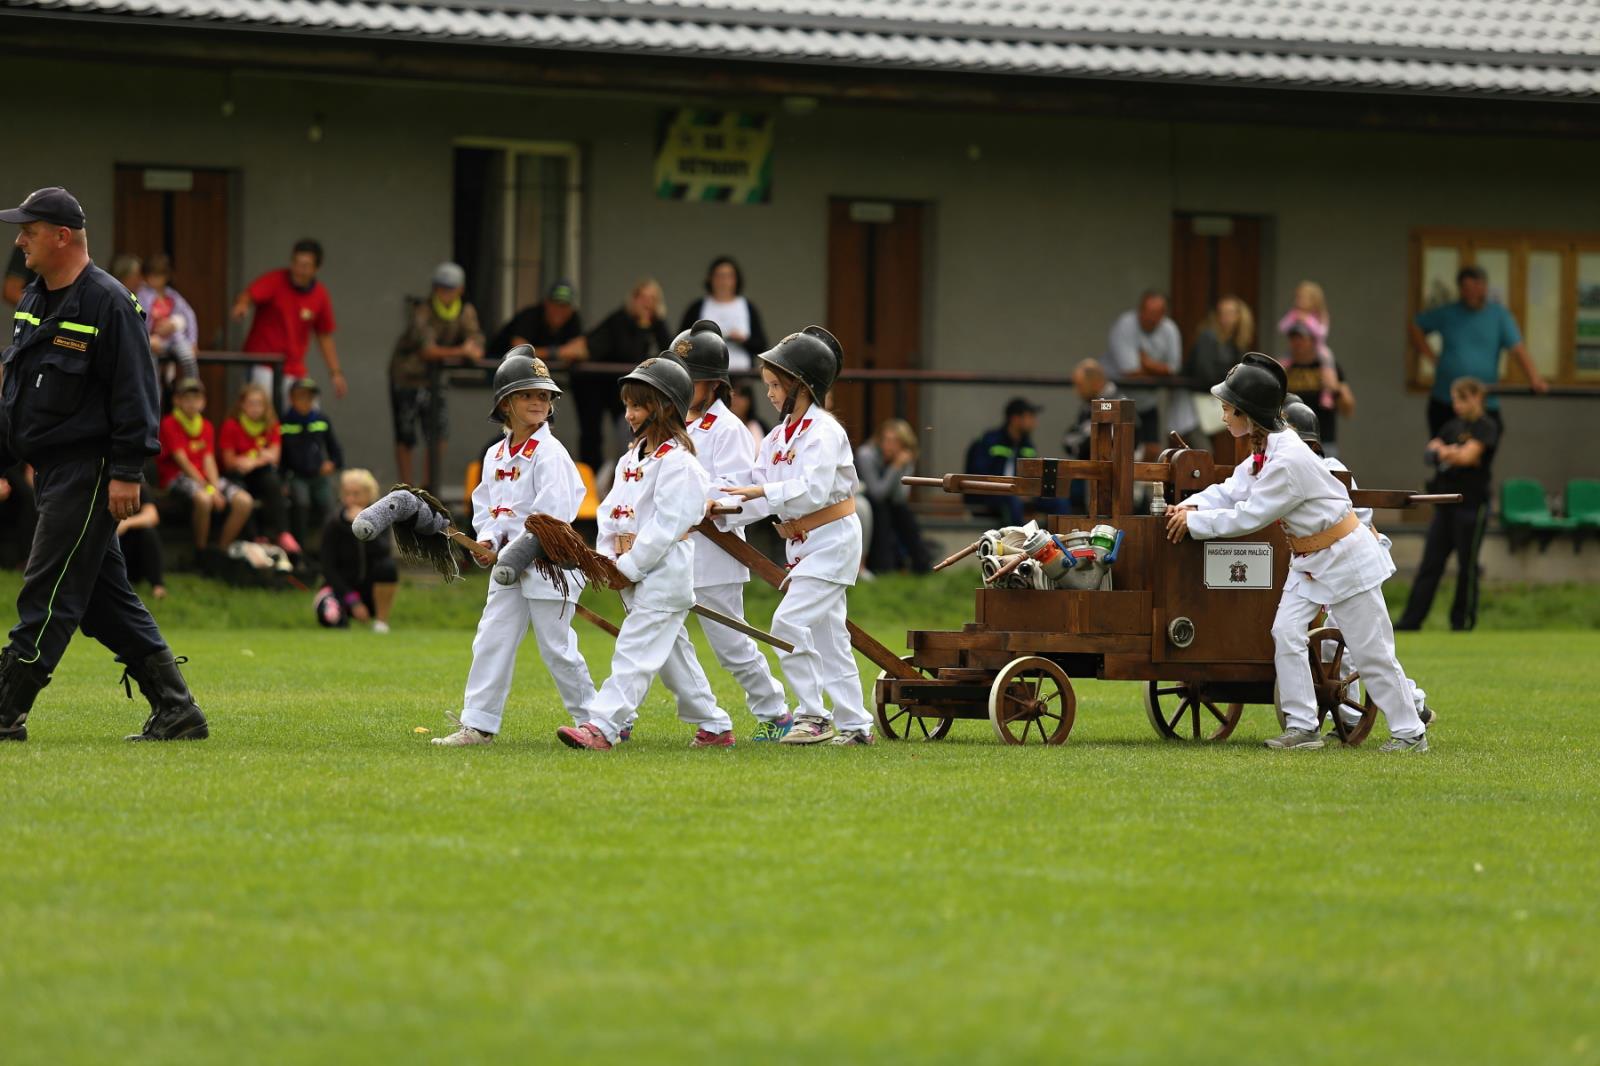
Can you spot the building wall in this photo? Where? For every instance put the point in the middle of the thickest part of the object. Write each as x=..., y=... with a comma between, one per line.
x=1044, y=227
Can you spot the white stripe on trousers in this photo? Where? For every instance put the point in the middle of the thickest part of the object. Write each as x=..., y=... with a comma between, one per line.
x=651, y=643
x=812, y=617
x=1369, y=644
x=738, y=654
x=506, y=618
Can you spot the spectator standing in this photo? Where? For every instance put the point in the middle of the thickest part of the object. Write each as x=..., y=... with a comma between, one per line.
x=311, y=454
x=443, y=328
x=725, y=304
x=1304, y=370
x=631, y=334
x=880, y=464
x=1461, y=453
x=252, y=445
x=1144, y=342
x=997, y=452
x=1474, y=331
x=360, y=575
x=174, y=333
x=547, y=326
x=1311, y=307
x=290, y=306
x=1225, y=336
x=187, y=467
x=141, y=547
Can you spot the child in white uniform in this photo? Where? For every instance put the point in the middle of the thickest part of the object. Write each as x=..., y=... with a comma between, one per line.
x=526, y=473
x=1336, y=562
x=724, y=448
x=658, y=495
x=1303, y=420
x=805, y=474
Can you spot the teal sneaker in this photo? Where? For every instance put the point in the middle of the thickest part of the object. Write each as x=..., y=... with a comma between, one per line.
x=774, y=729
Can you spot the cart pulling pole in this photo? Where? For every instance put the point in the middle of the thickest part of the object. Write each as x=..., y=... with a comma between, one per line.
x=960, y=555
x=774, y=575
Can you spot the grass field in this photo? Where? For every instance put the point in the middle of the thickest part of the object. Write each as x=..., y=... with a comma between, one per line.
x=316, y=883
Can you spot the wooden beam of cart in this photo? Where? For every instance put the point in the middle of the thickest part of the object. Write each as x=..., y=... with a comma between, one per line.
x=775, y=575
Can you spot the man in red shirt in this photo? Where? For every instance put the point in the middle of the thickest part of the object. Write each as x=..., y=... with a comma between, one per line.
x=291, y=305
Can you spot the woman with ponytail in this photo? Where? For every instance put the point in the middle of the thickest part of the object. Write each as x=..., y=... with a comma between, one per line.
x=1336, y=563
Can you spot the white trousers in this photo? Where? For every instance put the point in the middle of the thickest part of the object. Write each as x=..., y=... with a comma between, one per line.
x=652, y=643
x=739, y=654
x=1369, y=644
x=1419, y=698
x=811, y=617
x=506, y=619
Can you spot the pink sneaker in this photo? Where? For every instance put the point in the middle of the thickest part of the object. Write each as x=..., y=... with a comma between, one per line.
x=583, y=736
x=287, y=542
x=706, y=739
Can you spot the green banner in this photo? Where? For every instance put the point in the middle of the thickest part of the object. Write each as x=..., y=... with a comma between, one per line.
x=715, y=156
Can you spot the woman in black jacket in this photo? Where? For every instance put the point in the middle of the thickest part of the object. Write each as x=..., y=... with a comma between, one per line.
x=631, y=334
x=724, y=303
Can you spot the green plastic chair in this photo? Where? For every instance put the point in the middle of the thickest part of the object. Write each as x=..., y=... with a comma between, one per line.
x=1583, y=502
x=1525, y=514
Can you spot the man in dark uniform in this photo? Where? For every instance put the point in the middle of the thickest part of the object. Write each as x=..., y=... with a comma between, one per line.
x=78, y=400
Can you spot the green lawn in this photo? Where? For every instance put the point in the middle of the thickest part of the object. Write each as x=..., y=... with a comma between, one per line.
x=316, y=883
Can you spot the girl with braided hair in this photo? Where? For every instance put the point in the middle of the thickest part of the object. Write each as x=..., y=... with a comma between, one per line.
x=1337, y=563
x=527, y=472
x=658, y=495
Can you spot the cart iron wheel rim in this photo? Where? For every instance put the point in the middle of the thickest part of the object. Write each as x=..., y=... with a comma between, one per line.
x=1032, y=698
x=1337, y=683
x=1179, y=710
x=904, y=723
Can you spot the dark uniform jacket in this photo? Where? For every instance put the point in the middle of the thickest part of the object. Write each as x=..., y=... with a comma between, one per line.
x=79, y=383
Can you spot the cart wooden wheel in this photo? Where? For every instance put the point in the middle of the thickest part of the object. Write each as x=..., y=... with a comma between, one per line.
x=1337, y=684
x=1030, y=694
x=899, y=723
x=1181, y=711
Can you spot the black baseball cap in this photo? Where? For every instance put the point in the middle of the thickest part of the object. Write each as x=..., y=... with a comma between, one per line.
x=1020, y=406
x=54, y=205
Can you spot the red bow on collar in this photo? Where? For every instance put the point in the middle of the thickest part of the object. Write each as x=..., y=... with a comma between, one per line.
x=496, y=512
x=1257, y=460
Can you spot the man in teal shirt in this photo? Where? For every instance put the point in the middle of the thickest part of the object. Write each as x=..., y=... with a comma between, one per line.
x=1474, y=332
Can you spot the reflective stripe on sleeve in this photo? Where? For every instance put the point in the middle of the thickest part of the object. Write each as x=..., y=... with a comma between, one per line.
x=79, y=327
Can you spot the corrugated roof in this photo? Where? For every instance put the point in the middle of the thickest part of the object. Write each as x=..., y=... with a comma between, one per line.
x=1542, y=48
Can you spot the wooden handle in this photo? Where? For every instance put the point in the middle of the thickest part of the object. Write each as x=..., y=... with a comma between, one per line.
x=718, y=508
x=595, y=619
x=974, y=483
x=960, y=555
x=1437, y=497
x=488, y=555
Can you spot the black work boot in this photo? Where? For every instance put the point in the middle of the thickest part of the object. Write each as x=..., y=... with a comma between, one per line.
x=173, y=713
x=20, y=683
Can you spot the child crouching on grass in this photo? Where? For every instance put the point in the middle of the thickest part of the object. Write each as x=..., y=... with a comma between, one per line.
x=805, y=475
x=1336, y=562
x=360, y=578
x=527, y=472
x=658, y=495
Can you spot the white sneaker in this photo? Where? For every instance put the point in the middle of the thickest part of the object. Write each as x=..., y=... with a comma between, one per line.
x=465, y=737
x=380, y=626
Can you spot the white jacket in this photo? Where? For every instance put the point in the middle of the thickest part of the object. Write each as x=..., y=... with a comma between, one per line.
x=723, y=447
x=803, y=474
x=1294, y=488
x=539, y=477
x=658, y=499
x=1363, y=514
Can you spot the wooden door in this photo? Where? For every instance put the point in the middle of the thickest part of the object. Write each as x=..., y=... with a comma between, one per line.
x=183, y=212
x=1215, y=256
x=875, y=306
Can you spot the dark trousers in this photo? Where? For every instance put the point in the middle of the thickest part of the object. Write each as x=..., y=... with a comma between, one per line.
x=141, y=552
x=599, y=402
x=1458, y=528
x=896, y=536
x=76, y=575
x=1440, y=413
x=263, y=483
x=310, y=499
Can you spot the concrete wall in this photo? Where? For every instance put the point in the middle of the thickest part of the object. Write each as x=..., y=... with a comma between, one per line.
x=1046, y=227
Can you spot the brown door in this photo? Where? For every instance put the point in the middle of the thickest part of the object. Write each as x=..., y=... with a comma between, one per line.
x=1215, y=256
x=875, y=306
x=183, y=212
